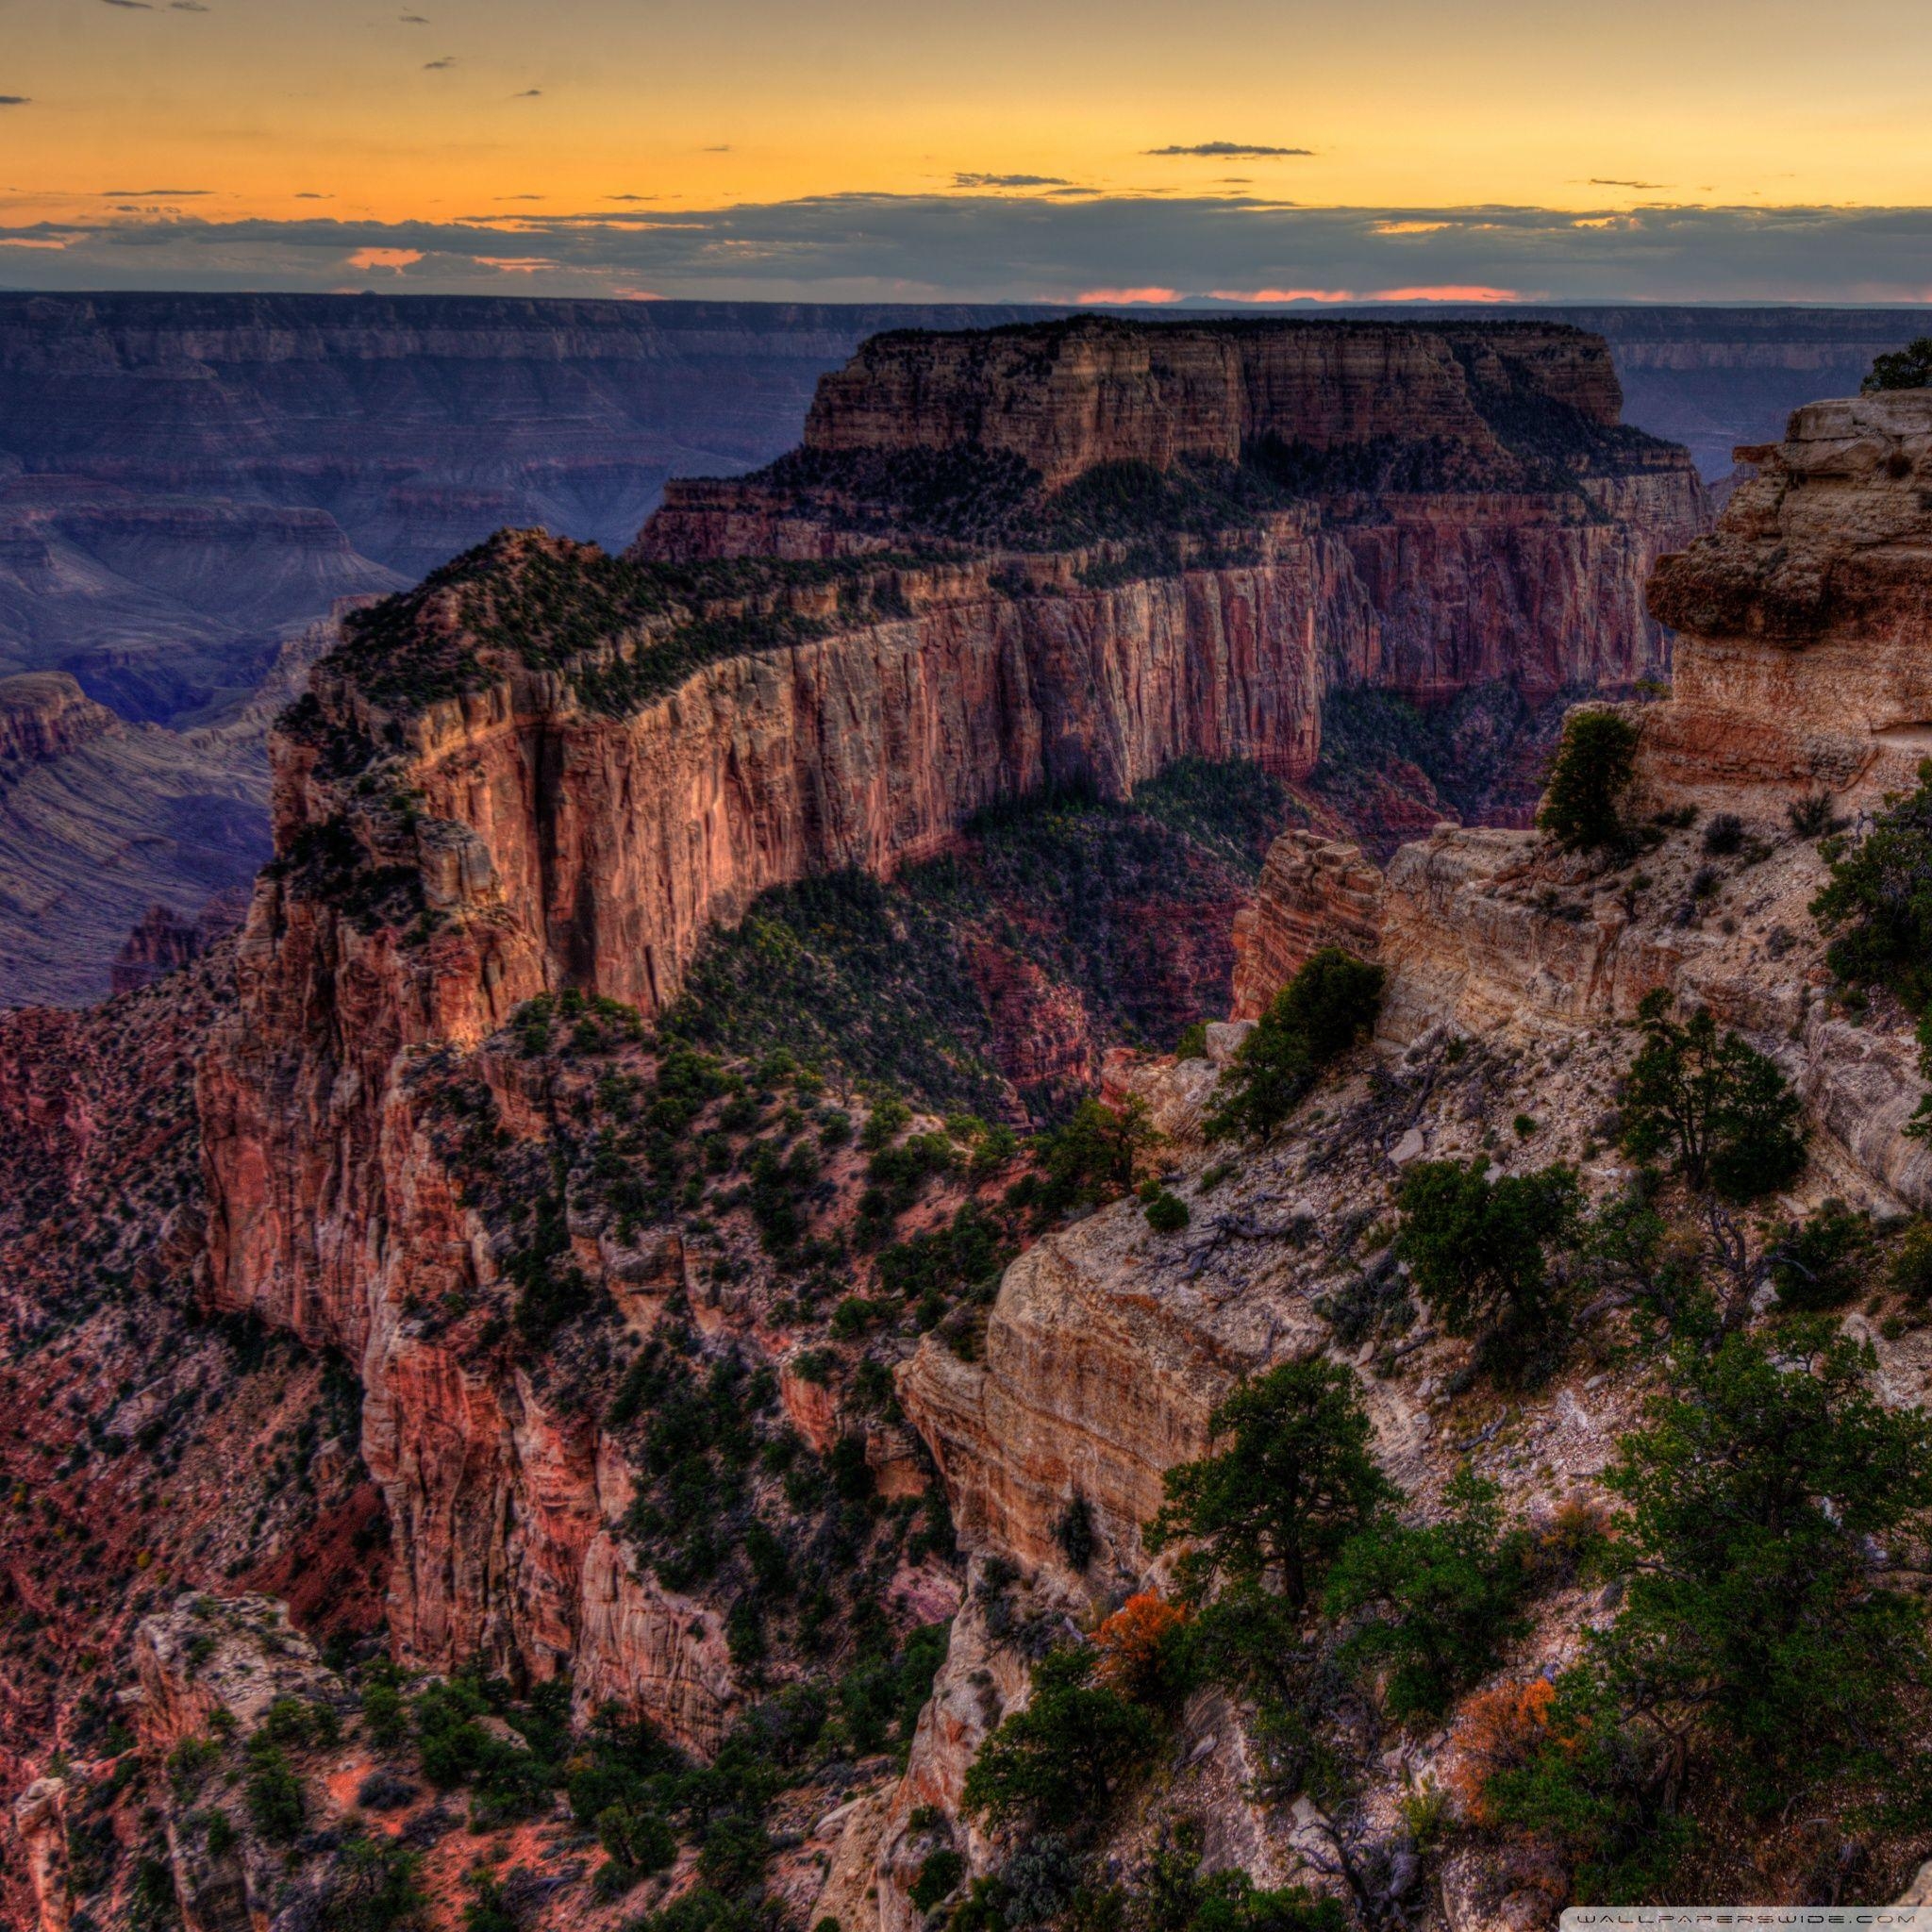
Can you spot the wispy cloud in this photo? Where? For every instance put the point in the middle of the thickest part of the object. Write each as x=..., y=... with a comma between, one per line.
x=1011, y=181
x=529, y=93
x=132, y=6
x=310, y=194
x=1228, y=150
x=152, y=193
x=1611, y=181
x=186, y=6
x=16, y=100
x=438, y=66
x=722, y=147
x=413, y=19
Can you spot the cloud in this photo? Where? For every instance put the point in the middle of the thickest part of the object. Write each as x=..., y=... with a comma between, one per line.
x=1116, y=298
x=1011, y=181
x=1451, y=291
x=529, y=93
x=16, y=100
x=186, y=6
x=1228, y=150
x=722, y=148
x=394, y=259
x=965, y=247
x=522, y=197
x=413, y=19
x=437, y=66
x=1610, y=181
x=152, y=193
x=310, y=194
x=1284, y=294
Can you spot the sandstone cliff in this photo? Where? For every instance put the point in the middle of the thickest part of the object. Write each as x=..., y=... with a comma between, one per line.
x=1067, y=398
x=553, y=769
x=1804, y=614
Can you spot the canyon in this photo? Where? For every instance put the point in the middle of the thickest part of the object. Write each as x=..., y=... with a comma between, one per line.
x=188, y=482
x=510, y=814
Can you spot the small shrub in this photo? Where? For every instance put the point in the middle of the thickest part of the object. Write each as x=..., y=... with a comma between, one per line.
x=1096, y=1157
x=1811, y=816
x=1327, y=1006
x=635, y=1839
x=384, y=1791
x=1059, y=1759
x=1911, y=1263
x=1727, y=1110
x=374, y=1888
x=1878, y=909
x=1820, y=1263
x=1138, y=1648
x=1479, y=1252
x=1167, y=1214
x=1296, y=1479
x=1502, y=1729
x=1437, y=1603
x=1192, y=1043
x=274, y=1795
x=1907, y=368
x=1073, y=1532
x=938, y=1875
x=1723, y=834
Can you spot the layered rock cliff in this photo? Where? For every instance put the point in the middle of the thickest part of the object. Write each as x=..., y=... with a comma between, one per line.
x=552, y=769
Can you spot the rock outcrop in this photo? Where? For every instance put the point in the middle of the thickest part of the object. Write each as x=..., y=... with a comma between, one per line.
x=40, y=1820
x=1484, y=556
x=1805, y=617
x=1065, y=398
x=1803, y=669
x=44, y=715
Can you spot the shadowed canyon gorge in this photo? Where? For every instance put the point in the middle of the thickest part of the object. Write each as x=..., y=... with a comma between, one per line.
x=615, y=1355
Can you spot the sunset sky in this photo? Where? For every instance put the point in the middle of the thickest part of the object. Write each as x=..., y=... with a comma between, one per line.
x=1010, y=149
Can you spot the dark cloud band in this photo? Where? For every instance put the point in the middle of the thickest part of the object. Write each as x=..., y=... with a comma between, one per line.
x=1035, y=246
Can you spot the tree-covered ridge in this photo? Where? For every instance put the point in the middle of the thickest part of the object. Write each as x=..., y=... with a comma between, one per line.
x=526, y=598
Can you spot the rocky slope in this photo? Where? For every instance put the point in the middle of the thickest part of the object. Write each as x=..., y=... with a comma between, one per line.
x=1513, y=972
x=102, y=820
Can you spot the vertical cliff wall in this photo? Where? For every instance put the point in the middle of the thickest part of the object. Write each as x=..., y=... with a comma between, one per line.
x=549, y=768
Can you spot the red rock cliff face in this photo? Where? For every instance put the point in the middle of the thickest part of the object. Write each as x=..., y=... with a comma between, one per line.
x=1066, y=397
x=550, y=841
